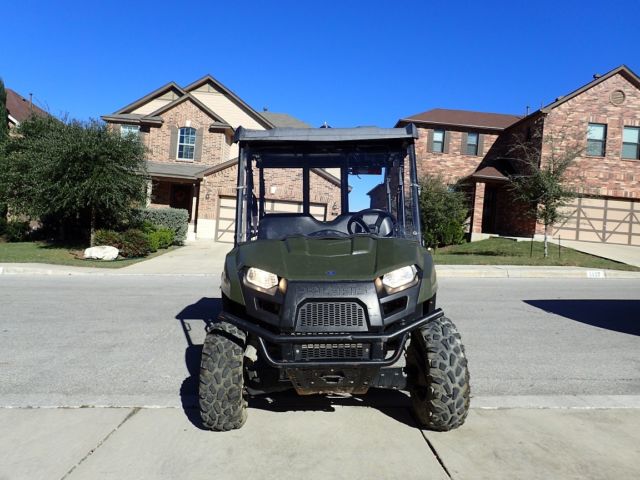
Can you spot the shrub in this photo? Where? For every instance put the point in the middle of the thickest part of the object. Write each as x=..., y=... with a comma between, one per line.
x=444, y=212
x=148, y=227
x=17, y=231
x=135, y=243
x=166, y=237
x=154, y=241
x=174, y=219
x=3, y=225
x=108, y=237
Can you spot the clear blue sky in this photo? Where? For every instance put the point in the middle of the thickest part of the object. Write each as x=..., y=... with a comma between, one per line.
x=345, y=62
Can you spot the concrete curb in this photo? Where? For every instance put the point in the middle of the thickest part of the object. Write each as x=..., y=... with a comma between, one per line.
x=443, y=271
x=517, y=271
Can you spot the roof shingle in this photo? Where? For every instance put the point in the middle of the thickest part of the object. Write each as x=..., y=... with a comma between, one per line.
x=20, y=108
x=463, y=118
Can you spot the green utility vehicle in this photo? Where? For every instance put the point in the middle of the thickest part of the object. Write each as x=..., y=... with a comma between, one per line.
x=330, y=306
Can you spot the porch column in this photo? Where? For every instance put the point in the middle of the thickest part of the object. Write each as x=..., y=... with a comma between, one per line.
x=476, y=216
x=149, y=189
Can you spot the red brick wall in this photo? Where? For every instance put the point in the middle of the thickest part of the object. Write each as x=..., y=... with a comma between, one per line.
x=455, y=164
x=609, y=175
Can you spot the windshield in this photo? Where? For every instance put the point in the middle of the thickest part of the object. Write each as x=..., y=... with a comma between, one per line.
x=326, y=190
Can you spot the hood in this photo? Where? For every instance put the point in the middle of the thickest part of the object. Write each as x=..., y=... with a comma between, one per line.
x=355, y=258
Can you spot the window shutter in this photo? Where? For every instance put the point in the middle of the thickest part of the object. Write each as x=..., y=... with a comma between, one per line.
x=480, y=144
x=463, y=144
x=447, y=138
x=429, y=141
x=197, y=156
x=173, y=145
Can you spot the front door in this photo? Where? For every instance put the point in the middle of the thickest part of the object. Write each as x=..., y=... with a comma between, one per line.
x=181, y=197
x=489, y=210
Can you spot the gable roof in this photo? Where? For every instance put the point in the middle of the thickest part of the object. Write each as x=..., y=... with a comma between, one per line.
x=20, y=108
x=622, y=69
x=235, y=98
x=462, y=118
x=195, y=101
x=284, y=120
x=150, y=96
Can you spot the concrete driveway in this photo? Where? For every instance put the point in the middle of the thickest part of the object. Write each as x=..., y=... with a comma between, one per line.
x=196, y=257
x=618, y=253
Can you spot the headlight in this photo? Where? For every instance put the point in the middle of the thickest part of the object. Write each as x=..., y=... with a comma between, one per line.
x=399, y=279
x=261, y=279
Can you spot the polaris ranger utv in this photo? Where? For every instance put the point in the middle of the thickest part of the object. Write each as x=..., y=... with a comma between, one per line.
x=330, y=306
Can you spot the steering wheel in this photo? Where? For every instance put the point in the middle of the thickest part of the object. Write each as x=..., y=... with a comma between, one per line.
x=358, y=219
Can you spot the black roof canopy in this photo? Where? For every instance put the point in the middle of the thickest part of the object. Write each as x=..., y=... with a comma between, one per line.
x=326, y=147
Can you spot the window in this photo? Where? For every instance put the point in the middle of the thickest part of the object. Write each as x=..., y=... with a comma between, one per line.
x=126, y=130
x=472, y=144
x=187, y=143
x=438, y=141
x=631, y=143
x=596, y=139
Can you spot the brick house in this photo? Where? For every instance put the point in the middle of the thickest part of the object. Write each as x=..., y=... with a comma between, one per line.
x=601, y=119
x=20, y=109
x=192, y=160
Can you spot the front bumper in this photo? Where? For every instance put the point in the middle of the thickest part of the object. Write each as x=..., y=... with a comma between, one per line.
x=376, y=344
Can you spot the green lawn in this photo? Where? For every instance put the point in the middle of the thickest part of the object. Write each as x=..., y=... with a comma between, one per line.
x=502, y=251
x=39, y=252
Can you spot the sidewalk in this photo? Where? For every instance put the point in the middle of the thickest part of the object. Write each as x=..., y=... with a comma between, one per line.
x=339, y=442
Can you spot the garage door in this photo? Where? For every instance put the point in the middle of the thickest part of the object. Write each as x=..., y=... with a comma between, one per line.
x=226, y=224
x=593, y=219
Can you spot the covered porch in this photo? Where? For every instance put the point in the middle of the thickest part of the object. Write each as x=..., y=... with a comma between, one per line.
x=495, y=211
x=176, y=186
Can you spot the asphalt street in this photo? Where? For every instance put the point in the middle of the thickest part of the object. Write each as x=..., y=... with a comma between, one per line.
x=134, y=340
x=130, y=343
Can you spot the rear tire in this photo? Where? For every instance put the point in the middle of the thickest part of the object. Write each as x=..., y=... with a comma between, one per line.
x=222, y=403
x=438, y=376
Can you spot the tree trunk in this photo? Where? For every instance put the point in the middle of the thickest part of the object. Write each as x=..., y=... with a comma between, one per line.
x=92, y=237
x=546, y=247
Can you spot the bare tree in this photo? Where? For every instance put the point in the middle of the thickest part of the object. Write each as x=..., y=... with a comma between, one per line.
x=542, y=183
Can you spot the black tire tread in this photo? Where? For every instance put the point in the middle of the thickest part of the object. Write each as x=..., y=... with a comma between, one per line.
x=441, y=400
x=222, y=403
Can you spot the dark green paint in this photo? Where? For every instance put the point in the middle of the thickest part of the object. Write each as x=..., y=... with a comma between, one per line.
x=358, y=258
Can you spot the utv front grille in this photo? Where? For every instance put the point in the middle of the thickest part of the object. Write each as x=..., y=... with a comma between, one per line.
x=331, y=316
x=335, y=351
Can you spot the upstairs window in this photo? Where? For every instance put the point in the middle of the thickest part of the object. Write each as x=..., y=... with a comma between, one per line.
x=187, y=143
x=437, y=145
x=472, y=144
x=126, y=130
x=596, y=139
x=631, y=143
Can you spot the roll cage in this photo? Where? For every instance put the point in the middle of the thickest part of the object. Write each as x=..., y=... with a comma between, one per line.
x=352, y=150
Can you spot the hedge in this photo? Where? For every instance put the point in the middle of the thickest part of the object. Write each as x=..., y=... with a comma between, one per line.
x=17, y=231
x=174, y=219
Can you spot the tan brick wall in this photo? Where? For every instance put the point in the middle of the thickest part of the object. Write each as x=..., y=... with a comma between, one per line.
x=609, y=175
x=158, y=140
x=287, y=183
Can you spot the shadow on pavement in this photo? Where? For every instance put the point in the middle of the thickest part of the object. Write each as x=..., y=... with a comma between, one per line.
x=617, y=315
x=205, y=310
x=392, y=403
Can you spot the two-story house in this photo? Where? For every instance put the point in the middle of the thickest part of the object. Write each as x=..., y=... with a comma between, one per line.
x=599, y=121
x=192, y=161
